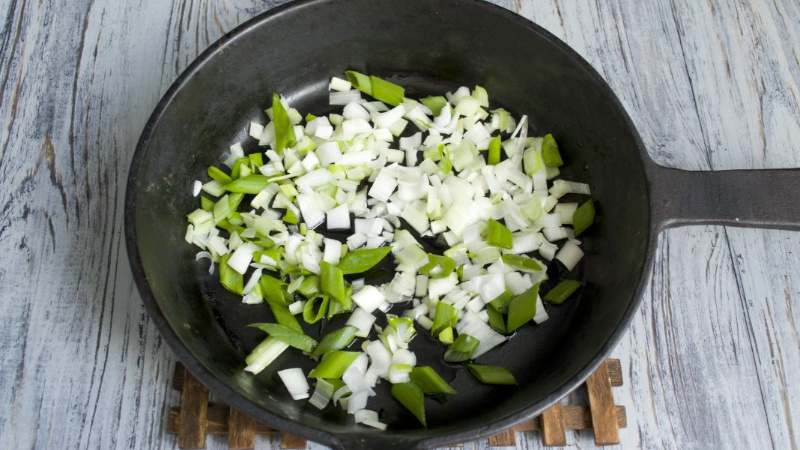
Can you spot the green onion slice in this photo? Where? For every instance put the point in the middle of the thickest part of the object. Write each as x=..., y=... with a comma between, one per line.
x=411, y=396
x=445, y=316
x=386, y=91
x=335, y=340
x=284, y=131
x=492, y=374
x=434, y=103
x=332, y=281
x=550, y=153
x=251, y=184
x=522, y=262
x=461, y=349
x=493, y=158
x=218, y=175
x=522, y=309
x=333, y=364
x=562, y=291
x=311, y=316
x=445, y=265
x=359, y=261
x=498, y=235
x=359, y=81
x=230, y=279
x=287, y=335
x=583, y=217
x=430, y=382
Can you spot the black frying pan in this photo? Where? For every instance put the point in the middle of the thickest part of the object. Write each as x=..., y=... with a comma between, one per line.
x=429, y=47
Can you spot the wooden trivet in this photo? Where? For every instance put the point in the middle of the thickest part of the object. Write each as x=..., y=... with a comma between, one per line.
x=195, y=419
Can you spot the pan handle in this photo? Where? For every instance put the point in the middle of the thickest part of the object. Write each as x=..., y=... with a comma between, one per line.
x=740, y=198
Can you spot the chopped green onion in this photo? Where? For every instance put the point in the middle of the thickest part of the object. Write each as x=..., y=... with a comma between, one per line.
x=310, y=286
x=218, y=175
x=444, y=156
x=251, y=184
x=493, y=158
x=562, y=291
x=359, y=261
x=430, y=382
x=331, y=280
x=272, y=289
x=434, y=103
x=287, y=335
x=411, y=396
x=446, y=316
x=445, y=265
x=284, y=131
x=522, y=262
x=222, y=209
x=359, y=81
x=502, y=301
x=264, y=354
x=498, y=235
x=491, y=374
x=236, y=172
x=290, y=217
x=386, y=91
x=335, y=340
x=308, y=309
x=446, y=335
x=230, y=279
x=550, y=153
x=256, y=161
x=461, y=349
x=522, y=309
x=496, y=319
x=333, y=365
x=206, y=204
x=283, y=316
x=583, y=217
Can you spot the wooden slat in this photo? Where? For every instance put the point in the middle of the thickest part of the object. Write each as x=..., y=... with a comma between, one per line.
x=507, y=438
x=291, y=441
x=241, y=430
x=194, y=401
x=601, y=405
x=614, y=372
x=575, y=418
x=177, y=378
x=553, y=432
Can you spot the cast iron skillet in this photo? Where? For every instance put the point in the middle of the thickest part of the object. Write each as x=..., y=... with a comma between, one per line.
x=429, y=47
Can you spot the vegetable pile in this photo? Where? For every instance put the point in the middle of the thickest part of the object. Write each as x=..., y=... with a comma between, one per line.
x=395, y=174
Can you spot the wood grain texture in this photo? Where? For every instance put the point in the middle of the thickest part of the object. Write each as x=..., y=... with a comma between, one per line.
x=601, y=405
x=710, y=360
x=552, y=426
x=194, y=413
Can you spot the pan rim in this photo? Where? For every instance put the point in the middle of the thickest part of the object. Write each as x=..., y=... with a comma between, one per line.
x=237, y=400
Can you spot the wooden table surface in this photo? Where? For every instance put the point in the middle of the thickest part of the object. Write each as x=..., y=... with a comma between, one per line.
x=712, y=359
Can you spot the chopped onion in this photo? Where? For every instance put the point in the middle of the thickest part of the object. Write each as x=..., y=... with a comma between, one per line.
x=295, y=382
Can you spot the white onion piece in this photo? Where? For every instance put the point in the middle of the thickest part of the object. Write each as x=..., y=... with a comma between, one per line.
x=343, y=97
x=362, y=320
x=569, y=255
x=240, y=260
x=252, y=282
x=476, y=327
x=338, y=84
x=338, y=218
x=295, y=381
x=322, y=394
x=369, y=418
x=369, y=298
x=541, y=313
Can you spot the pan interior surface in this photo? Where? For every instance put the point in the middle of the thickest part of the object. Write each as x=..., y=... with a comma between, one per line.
x=429, y=48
